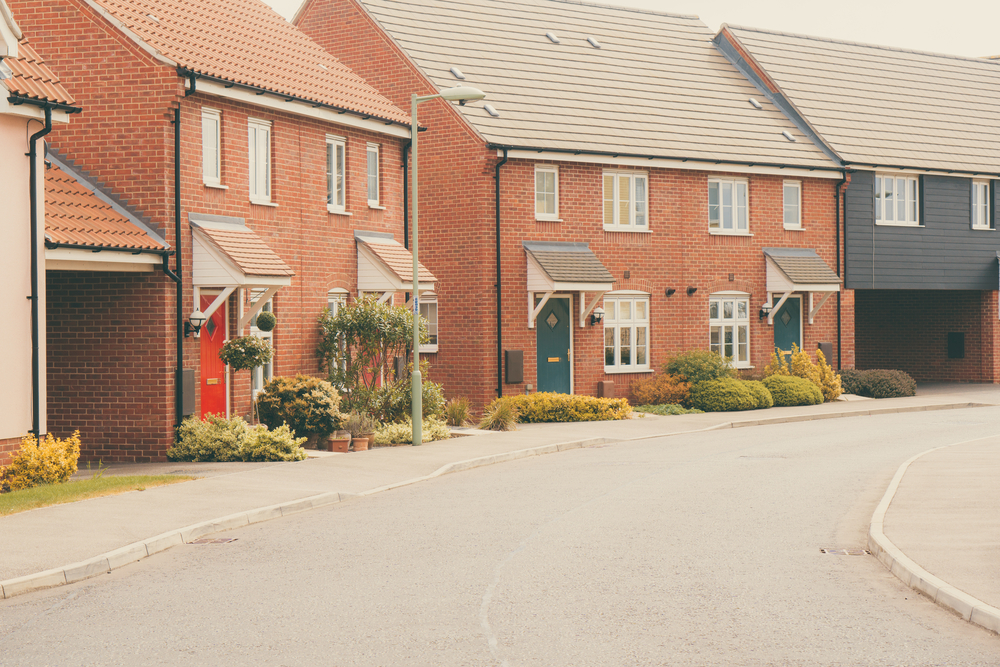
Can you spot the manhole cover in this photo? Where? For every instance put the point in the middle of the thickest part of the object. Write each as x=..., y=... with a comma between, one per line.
x=846, y=552
x=217, y=540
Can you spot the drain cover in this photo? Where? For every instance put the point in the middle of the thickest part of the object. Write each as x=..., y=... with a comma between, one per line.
x=218, y=540
x=846, y=552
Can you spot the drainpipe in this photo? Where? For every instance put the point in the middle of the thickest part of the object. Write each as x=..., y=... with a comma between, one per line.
x=840, y=335
x=178, y=275
x=36, y=390
x=406, y=196
x=498, y=284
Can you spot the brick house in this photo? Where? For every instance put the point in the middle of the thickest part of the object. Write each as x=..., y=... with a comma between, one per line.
x=32, y=102
x=921, y=147
x=251, y=156
x=619, y=163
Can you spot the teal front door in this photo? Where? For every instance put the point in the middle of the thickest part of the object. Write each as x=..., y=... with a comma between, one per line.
x=788, y=325
x=553, y=342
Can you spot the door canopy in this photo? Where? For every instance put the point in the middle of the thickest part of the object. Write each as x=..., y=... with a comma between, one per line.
x=798, y=270
x=564, y=267
x=385, y=266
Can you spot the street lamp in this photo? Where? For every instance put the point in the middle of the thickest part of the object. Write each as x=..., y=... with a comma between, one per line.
x=460, y=94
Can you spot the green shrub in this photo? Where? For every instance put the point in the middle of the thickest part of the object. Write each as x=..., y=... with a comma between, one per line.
x=853, y=381
x=360, y=424
x=219, y=439
x=760, y=393
x=667, y=410
x=661, y=389
x=698, y=366
x=401, y=433
x=308, y=405
x=547, y=406
x=883, y=383
x=723, y=395
x=246, y=352
x=391, y=402
x=53, y=461
x=266, y=321
x=457, y=411
x=500, y=415
x=789, y=390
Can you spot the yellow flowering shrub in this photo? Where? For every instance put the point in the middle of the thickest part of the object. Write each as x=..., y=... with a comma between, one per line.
x=551, y=407
x=829, y=382
x=52, y=461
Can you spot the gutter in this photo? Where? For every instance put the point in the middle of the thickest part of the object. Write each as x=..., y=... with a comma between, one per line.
x=498, y=283
x=53, y=245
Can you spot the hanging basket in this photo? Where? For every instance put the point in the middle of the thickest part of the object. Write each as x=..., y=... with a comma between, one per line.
x=246, y=352
x=266, y=321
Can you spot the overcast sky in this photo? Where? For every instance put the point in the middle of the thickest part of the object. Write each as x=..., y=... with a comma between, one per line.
x=958, y=27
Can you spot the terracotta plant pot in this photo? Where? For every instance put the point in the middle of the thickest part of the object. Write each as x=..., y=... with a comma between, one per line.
x=338, y=444
x=370, y=437
x=360, y=444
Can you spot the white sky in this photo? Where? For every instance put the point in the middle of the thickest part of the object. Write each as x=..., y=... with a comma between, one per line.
x=957, y=27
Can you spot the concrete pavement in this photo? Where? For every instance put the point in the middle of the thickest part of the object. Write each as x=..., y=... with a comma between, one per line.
x=936, y=528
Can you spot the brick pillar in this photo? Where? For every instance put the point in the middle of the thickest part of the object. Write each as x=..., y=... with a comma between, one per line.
x=990, y=323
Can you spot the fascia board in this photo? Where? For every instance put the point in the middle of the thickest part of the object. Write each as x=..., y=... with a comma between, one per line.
x=105, y=260
x=128, y=33
x=583, y=287
x=253, y=282
x=29, y=110
x=298, y=108
x=666, y=163
x=922, y=172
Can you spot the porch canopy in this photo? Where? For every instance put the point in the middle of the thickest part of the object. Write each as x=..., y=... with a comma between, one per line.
x=385, y=266
x=229, y=255
x=798, y=270
x=564, y=267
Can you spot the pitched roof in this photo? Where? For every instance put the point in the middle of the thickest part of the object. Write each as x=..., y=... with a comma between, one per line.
x=29, y=77
x=246, y=42
x=568, y=262
x=883, y=106
x=77, y=215
x=656, y=86
x=241, y=246
x=394, y=256
x=802, y=266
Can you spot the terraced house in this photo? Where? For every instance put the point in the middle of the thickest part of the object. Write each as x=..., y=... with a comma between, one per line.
x=920, y=144
x=623, y=193
x=225, y=164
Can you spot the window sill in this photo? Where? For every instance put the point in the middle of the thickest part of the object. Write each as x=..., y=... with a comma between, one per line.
x=983, y=229
x=716, y=232
x=263, y=203
x=631, y=230
x=622, y=371
x=376, y=206
x=537, y=219
x=428, y=349
x=217, y=186
x=795, y=229
x=897, y=224
x=334, y=211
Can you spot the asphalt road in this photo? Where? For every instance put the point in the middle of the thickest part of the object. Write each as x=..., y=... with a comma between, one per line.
x=690, y=550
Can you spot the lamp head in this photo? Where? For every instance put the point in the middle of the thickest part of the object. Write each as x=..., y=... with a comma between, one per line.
x=462, y=94
x=597, y=316
x=194, y=323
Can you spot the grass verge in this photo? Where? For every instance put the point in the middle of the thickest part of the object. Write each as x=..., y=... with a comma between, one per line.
x=666, y=410
x=57, y=494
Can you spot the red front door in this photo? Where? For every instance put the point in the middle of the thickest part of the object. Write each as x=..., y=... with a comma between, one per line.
x=213, y=371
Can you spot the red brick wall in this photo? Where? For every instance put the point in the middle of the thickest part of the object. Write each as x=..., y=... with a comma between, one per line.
x=908, y=330
x=8, y=447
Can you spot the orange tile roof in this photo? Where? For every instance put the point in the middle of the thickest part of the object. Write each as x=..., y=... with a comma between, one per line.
x=74, y=215
x=397, y=259
x=246, y=250
x=246, y=42
x=32, y=78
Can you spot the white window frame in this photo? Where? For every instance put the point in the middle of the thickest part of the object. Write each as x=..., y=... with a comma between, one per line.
x=614, y=324
x=981, y=218
x=429, y=299
x=261, y=375
x=888, y=213
x=554, y=170
x=336, y=174
x=738, y=212
x=734, y=324
x=796, y=204
x=208, y=147
x=259, y=153
x=372, y=150
x=638, y=216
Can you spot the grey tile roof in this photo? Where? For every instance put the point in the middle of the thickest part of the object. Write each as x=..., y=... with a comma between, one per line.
x=890, y=107
x=802, y=266
x=568, y=262
x=657, y=86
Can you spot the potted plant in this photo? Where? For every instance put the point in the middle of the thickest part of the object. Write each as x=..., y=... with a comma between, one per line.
x=362, y=429
x=339, y=441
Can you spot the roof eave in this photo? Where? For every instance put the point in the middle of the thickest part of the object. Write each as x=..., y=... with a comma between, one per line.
x=18, y=100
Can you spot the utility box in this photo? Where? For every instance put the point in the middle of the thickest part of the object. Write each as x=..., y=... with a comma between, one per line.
x=956, y=345
x=513, y=364
x=187, y=386
x=827, y=349
x=605, y=389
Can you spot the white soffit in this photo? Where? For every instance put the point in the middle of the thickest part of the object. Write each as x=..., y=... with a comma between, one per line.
x=73, y=259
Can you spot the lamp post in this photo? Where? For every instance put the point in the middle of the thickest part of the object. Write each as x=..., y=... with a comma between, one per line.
x=460, y=94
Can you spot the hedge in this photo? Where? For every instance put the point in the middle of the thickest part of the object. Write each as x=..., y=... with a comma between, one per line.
x=789, y=390
x=722, y=395
x=552, y=407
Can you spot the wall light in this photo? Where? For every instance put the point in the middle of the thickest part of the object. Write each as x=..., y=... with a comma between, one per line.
x=194, y=324
x=597, y=316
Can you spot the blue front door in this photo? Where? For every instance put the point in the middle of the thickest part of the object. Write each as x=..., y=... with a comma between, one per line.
x=552, y=346
x=788, y=325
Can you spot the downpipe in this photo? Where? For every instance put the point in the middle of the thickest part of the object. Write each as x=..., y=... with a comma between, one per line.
x=36, y=390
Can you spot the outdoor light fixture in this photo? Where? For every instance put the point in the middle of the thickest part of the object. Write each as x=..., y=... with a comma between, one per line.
x=460, y=94
x=194, y=323
x=597, y=316
x=670, y=291
x=765, y=310
x=692, y=290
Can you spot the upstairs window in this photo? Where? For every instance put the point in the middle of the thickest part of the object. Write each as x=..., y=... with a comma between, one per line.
x=626, y=201
x=373, y=176
x=896, y=200
x=546, y=192
x=260, y=161
x=336, y=196
x=792, y=204
x=981, y=218
x=211, y=146
x=729, y=327
x=727, y=206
